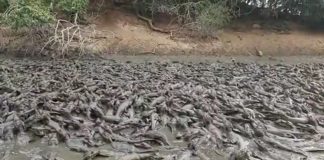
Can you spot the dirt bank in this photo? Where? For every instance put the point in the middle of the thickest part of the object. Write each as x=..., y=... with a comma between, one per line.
x=128, y=35
x=121, y=32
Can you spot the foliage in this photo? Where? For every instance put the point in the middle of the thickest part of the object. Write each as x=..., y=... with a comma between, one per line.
x=213, y=16
x=24, y=13
x=185, y=12
x=4, y=4
x=31, y=13
x=73, y=6
x=203, y=15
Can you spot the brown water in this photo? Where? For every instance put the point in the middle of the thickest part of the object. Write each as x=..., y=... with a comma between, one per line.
x=223, y=59
x=199, y=59
x=37, y=149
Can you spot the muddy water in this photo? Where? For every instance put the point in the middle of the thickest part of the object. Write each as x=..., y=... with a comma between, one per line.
x=223, y=59
x=198, y=59
x=37, y=150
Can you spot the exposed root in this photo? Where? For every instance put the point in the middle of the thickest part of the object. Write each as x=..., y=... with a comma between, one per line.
x=149, y=21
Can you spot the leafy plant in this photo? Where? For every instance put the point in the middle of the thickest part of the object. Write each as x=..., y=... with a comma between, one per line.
x=73, y=6
x=24, y=13
x=201, y=15
x=30, y=13
x=213, y=16
x=4, y=4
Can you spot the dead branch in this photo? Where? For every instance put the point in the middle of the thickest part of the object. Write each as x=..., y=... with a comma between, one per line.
x=69, y=36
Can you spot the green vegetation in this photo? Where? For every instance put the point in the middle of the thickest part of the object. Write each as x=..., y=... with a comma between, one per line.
x=201, y=15
x=73, y=6
x=213, y=16
x=4, y=4
x=31, y=13
x=22, y=13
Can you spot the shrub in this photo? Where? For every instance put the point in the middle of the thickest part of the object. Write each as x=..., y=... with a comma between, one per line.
x=4, y=4
x=73, y=6
x=203, y=15
x=24, y=13
x=31, y=13
x=213, y=16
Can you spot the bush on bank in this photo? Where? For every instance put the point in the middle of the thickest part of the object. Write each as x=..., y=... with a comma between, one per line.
x=31, y=13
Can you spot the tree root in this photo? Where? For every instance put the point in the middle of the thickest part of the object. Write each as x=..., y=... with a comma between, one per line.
x=148, y=21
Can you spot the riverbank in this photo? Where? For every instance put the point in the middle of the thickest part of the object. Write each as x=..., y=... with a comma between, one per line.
x=298, y=59
x=118, y=32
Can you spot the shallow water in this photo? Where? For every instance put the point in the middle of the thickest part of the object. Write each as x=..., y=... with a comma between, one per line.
x=222, y=59
x=192, y=58
x=38, y=149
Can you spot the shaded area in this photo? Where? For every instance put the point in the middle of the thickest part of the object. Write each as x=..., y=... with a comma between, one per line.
x=162, y=110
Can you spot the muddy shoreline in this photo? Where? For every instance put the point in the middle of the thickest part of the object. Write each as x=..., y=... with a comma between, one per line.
x=162, y=107
x=190, y=58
